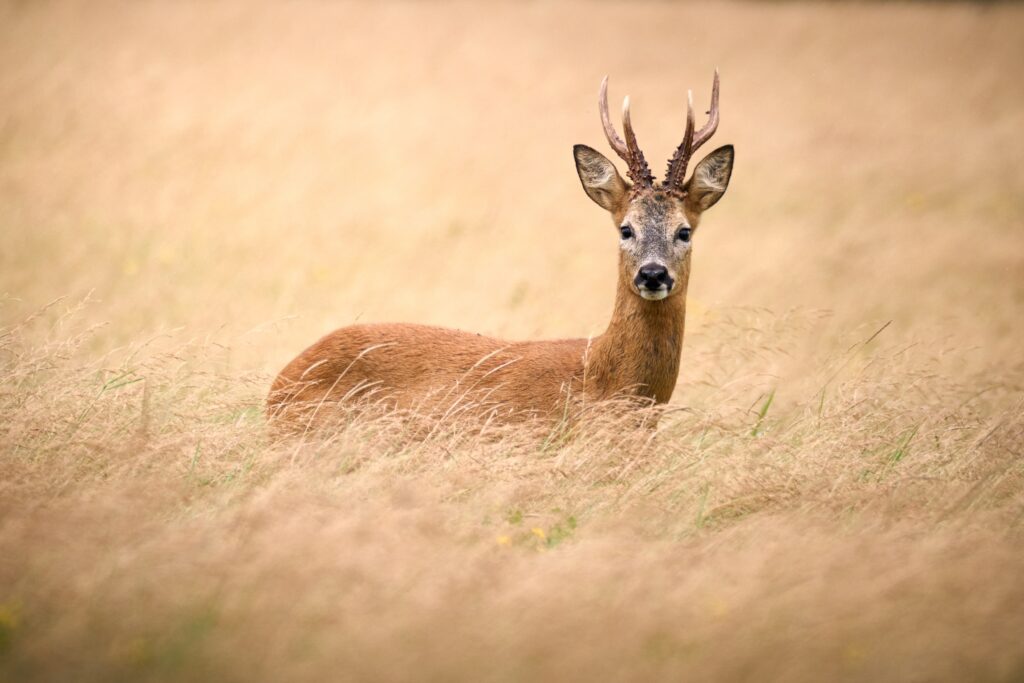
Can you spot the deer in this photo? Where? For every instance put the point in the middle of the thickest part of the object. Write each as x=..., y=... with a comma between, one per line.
x=417, y=367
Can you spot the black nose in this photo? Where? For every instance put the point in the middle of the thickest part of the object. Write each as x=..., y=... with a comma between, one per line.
x=653, y=277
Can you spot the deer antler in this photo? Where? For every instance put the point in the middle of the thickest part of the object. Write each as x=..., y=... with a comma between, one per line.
x=676, y=174
x=639, y=171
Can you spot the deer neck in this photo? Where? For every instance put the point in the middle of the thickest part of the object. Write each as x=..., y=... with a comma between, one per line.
x=639, y=352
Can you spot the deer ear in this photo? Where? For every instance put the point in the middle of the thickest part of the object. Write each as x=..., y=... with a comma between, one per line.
x=710, y=178
x=601, y=181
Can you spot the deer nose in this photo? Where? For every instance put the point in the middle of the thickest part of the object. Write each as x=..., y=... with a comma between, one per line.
x=653, y=277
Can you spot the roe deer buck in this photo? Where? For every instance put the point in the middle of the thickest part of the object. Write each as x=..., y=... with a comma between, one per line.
x=409, y=366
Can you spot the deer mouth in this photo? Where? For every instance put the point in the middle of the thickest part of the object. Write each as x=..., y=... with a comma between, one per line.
x=653, y=294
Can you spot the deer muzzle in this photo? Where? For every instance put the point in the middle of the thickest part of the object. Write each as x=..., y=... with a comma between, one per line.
x=653, y=281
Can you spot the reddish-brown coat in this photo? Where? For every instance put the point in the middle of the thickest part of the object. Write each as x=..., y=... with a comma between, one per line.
x=431, y=368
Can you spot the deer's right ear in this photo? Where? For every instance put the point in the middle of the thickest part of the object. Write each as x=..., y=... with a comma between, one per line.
x=601, y=181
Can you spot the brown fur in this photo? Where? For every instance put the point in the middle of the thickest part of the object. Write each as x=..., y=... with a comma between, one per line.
x=418, y=366
x=436, y=370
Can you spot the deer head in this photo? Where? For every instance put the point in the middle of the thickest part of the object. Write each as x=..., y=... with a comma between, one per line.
x=656, y=222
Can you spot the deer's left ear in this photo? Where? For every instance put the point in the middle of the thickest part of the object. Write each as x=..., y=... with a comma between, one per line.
x=710, y=179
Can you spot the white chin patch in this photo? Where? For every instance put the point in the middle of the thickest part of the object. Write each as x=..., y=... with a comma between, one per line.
x=654, y=296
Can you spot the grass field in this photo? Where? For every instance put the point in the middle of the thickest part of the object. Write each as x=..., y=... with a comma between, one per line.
x=190, y=193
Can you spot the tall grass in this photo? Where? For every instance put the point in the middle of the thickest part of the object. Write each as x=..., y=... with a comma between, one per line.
x=153, y=530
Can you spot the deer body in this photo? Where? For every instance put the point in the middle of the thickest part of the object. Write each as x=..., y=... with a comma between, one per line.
x=421, y=367
x=409, y=365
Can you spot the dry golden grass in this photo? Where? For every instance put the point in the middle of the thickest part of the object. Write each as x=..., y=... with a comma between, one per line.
x=835, y=493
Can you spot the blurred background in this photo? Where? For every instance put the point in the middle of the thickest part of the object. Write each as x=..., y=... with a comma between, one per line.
x=221, y=166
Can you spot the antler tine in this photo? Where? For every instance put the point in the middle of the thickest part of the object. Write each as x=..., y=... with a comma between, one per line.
x=609, y=130
x=676, y=174
x=677, y=164
x=705, y=133
x=639, y=171
x=628, y=149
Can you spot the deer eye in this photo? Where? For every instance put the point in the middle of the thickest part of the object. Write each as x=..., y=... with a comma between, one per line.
x=626, y=231
x=684, y=234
